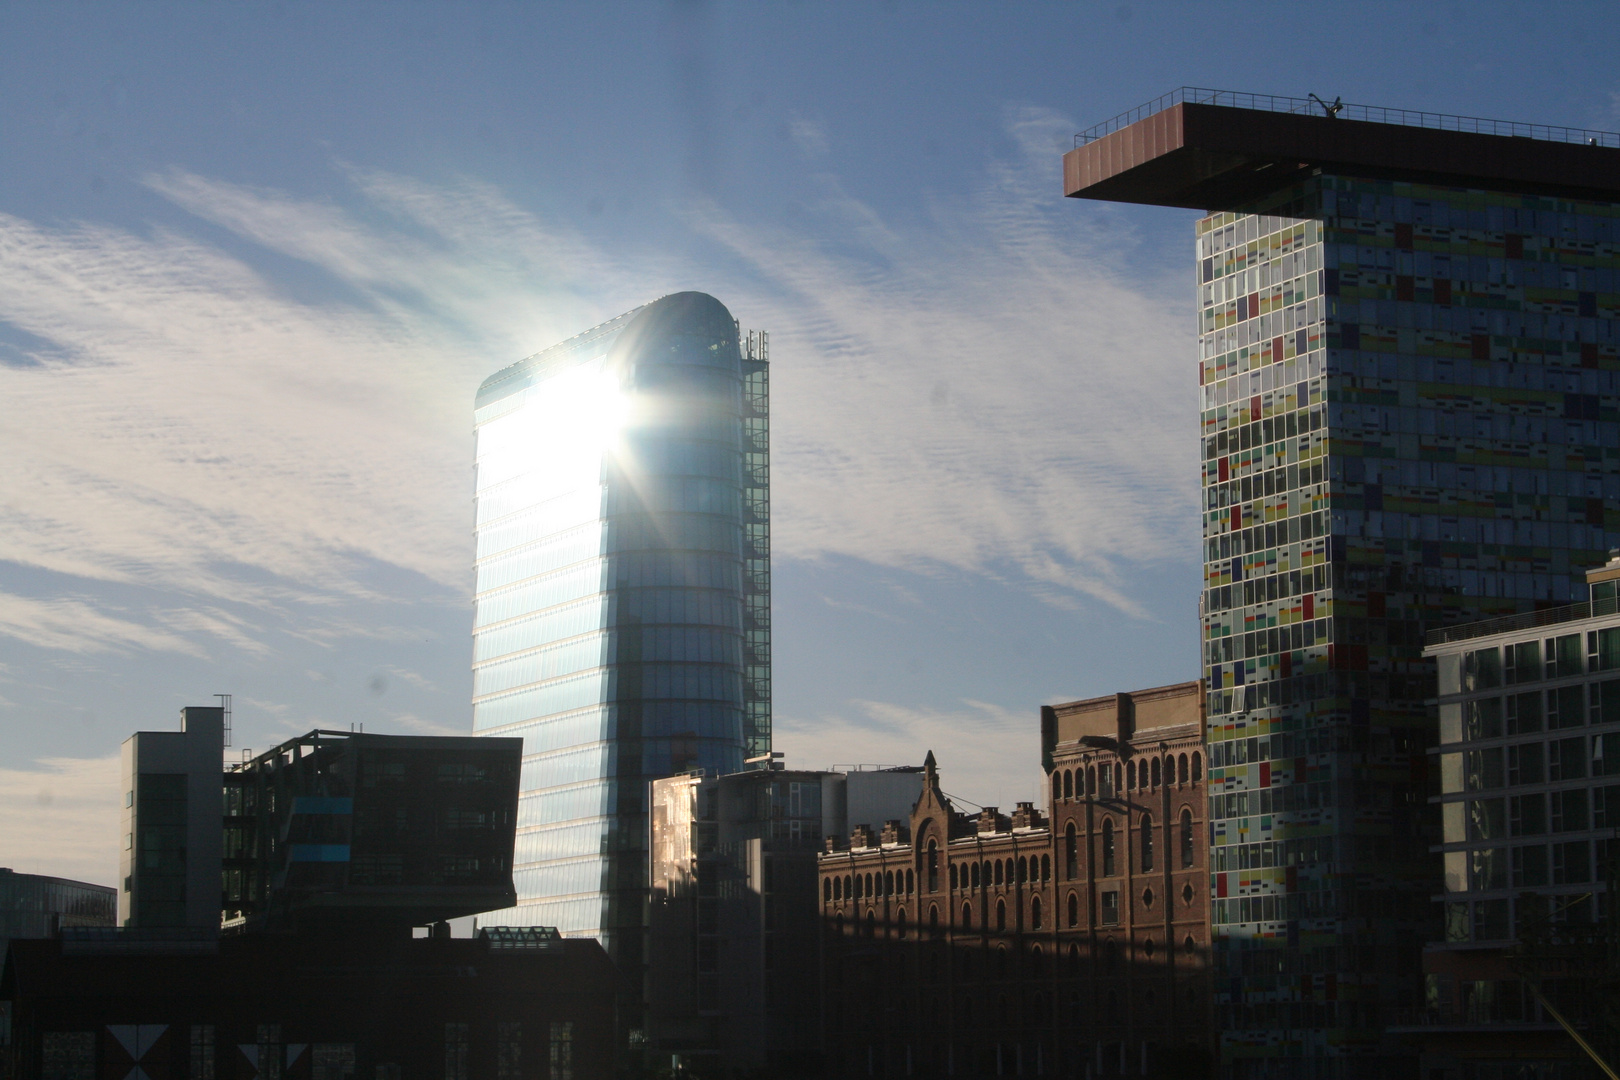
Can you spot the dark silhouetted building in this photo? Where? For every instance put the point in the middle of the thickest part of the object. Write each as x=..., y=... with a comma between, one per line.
x=34, y=906
x=1408, y=346
x=733, y=927
x=1067, y=943
x=512, y=1004
x=335, y=826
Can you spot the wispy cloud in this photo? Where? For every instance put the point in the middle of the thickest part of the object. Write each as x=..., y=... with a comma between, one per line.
x=61, y=818
x=966, y=390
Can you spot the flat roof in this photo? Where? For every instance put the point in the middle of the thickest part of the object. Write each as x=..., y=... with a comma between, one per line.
x=1215, y=150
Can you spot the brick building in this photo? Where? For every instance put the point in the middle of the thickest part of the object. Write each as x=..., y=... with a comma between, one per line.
x=1070, y=942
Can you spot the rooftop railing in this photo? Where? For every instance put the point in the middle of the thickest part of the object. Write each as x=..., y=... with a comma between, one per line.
x=1315, y=106
x=1529, y=620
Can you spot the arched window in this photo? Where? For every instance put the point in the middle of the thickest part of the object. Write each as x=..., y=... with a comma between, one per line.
x=848, y=881
x=1198, y=767
x=871, y=923
x=1023, y=869
x=911, y=882
x=933, y=866
x=1071, y=854
x=826, y=889
x=1147, y=843
x=997, y=867
x=900, y=924
x=933, y=917
x=1190, y=946
x=1130, y=775
x=1119, y=774
x=1001, y=973
x=867, y=885
x=1109, y=868
x=953, y=875
x=1111, y=955
x=1186, y=838
x=967, y=916
x=1091, y=780
x=975, y=875
x=1068, y=783
x=1155, y=772
x=838, y=924
x=1074, y=959
x=1037, y=963
x=1074, y=912
x=1057, y=786
x=888, y=883
x=1001, y=914
x=1181, y=769
x=838, y=888
x=1035, y=913
x=1046, y=868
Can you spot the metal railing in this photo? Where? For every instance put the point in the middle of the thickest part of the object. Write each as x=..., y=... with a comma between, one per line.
x=1315, y=106
x=1507, y=624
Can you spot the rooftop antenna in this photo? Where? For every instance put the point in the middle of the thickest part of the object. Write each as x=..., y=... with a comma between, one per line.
x=1330, y=111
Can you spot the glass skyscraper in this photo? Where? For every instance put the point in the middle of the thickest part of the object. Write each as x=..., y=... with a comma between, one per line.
x=622, y=611
x=1409, y=342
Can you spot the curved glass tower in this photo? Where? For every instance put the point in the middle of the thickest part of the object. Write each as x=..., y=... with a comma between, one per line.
x=622, y=622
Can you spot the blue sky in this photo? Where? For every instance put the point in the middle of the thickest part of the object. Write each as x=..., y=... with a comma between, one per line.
x=255, y=258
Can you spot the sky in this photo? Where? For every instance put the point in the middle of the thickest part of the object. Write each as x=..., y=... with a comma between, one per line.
x=255, y=259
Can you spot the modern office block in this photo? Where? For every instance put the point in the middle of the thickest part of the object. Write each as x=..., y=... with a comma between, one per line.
x=1529, y=767
x=1072, y=943
x=622, y=622
x=1409, y=333
x=733, y=925
x=35, y=906
x=369, y=829
x=170, y=864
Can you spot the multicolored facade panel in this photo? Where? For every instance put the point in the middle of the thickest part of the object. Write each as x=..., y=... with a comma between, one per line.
x=1409, y=410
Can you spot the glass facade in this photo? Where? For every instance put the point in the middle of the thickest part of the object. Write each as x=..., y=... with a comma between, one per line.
x=1409, y=420
x=622, y=623
x=1530, y=772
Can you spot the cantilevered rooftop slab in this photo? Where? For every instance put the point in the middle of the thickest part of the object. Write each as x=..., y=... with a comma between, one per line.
x=1217, y=150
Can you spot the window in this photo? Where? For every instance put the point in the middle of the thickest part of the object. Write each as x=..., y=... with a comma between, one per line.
x=1529, y=866
x=933, y=866
x=1147, y=843
x=1604, y=702
x=1046, y=868
x=1068, y=783
x=1482, y=669
x=1564, y=656
x=826, y=889
x=509, y=1051
x=1524, y=764
x=1186, y=839
x=1523, y=713
x=1483, y=719
x=456, y=1039
x=1001, y=914
x=202, y=1053
x=1566, y=707
x=1527, y=815
x=1486, y=819
x=1074, y=910
x=1181, y=769
x=1091, y=779
x=1130, y=775
x=1035, y=913
x=562, y=1050
x=1197, y=767
x=1071, y=845
x=1482, y=769
x=1156, y=776
x=1110, y=908
x=1572, y=862
x=1522, y=662
x=1109, y=869
x=1570, y=811
x=967, y=916
x=1566, y=759
x=1487, y=869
